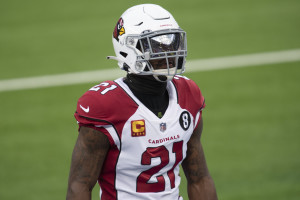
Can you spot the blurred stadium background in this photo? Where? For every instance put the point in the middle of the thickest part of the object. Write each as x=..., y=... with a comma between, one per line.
x=251, y=132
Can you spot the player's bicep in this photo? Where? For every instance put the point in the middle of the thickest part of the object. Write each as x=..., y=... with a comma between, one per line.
x=194, y=165
x=88, y=157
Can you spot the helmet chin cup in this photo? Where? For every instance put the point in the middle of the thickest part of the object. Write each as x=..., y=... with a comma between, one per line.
x=164, y=75
x=163, y=78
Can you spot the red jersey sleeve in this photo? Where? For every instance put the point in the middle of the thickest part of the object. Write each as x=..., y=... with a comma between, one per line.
x=105, y=104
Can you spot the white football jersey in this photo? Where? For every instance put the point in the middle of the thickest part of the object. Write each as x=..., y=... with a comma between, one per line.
x=146, y=151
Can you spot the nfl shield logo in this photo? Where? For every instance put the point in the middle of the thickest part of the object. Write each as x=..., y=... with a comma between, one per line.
x=163, y=127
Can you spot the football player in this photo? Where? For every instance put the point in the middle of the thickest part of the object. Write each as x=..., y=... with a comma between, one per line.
x=136, y=131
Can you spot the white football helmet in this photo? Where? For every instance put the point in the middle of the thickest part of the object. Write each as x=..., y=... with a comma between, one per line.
x=148, y=41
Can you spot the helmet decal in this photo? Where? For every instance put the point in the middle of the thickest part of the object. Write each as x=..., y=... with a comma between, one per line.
x=119, y=29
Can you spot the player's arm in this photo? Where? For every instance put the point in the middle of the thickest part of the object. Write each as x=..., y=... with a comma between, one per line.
x=87, y=160
x=200, y=185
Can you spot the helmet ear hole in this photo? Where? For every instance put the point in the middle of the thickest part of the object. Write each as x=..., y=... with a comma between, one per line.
x=123, y=54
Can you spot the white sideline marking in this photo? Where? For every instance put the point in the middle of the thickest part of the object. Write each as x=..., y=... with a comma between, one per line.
x=191, y=66
x=244, y=60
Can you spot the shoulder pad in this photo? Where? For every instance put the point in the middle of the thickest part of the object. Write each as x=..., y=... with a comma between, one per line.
x=106, y=102
x=189, y=94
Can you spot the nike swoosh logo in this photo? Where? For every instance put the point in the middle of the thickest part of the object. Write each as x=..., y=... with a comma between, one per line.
x=85, y=109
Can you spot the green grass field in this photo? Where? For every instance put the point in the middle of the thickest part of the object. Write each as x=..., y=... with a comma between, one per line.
x=251, y=131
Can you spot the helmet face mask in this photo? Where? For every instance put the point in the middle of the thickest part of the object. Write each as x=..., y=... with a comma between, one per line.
x=160, y=53
x=143, y=50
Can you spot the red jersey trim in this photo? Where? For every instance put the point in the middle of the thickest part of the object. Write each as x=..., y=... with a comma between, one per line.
x=107, y=177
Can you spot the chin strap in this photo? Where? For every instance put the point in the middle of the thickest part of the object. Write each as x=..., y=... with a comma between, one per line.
x=163, y=78
x=169, y=74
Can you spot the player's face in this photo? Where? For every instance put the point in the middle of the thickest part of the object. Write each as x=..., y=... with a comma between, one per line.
x=162, y=46
x=162, y=63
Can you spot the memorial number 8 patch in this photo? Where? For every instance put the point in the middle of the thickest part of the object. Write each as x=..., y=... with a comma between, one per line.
x=185, y=120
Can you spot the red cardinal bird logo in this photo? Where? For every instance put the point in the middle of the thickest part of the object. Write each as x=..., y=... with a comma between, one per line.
x=119, y=29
